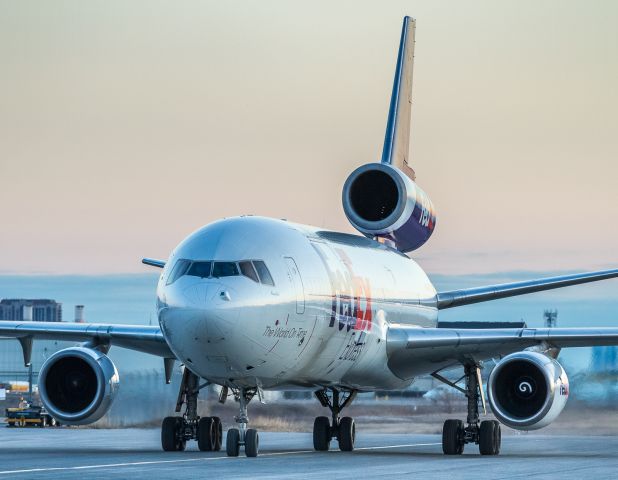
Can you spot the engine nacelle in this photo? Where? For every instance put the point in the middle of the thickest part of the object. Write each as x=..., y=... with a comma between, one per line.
x=381, y=201
x=527, y=390
x=78, y=385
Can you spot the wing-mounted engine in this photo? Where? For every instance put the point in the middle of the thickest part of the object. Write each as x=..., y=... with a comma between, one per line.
x=381, y=201
x=527, y=390
x=78, y=385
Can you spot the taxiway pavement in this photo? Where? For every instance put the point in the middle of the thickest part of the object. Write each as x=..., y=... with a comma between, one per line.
x=134, y=454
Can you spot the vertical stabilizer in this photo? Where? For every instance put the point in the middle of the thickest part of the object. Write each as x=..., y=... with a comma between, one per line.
x=397, y=140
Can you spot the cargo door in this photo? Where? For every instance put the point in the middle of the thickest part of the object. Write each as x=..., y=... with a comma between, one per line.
x=297, y=284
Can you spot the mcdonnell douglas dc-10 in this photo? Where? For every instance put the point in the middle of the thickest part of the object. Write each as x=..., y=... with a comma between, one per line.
x=253, y=303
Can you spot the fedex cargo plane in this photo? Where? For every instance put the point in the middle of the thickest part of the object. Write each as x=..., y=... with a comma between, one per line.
x=253, y=303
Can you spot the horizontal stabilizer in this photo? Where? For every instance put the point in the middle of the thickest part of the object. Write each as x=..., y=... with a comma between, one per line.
x=153, y=262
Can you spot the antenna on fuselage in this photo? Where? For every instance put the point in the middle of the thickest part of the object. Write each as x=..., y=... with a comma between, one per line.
x=397, y=139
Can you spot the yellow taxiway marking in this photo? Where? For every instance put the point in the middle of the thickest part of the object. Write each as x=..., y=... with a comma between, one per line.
x=186, y=460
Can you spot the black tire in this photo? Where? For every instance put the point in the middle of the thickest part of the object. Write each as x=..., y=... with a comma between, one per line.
x=171, y=439
x=490, y=438
x=252, y=443
x=205, y=434
x=347, y=434
x=218, y=429
x=452, y=437
x=321, y=434
x=168, y=434
x=232, y=442
x=180, y=439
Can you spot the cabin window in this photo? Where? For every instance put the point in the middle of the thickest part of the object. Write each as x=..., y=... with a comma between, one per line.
x=178, y=270
x=200, y=269
x=246, y=269
x=224, y=269
x=263, y=272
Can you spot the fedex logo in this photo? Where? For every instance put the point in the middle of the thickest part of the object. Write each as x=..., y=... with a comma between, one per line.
x=351, y=302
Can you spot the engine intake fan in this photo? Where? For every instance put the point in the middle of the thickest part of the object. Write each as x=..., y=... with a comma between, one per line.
x=381, y=201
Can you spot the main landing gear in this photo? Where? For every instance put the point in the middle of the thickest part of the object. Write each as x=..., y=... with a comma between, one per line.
x=343, y=429
x=175, y=431
x=242, y=436
x=486, y=434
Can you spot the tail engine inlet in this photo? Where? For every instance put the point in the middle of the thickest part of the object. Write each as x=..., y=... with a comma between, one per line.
x=381, y=201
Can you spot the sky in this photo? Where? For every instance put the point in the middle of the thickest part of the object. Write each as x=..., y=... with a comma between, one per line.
x=124, y=126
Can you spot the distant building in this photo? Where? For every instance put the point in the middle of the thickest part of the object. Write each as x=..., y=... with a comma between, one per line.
x=39, y=310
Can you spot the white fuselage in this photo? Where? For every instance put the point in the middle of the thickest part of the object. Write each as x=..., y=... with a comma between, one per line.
x=322, y=323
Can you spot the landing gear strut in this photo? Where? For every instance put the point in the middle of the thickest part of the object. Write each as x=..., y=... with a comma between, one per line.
x=175, y=431
x=242, y=435
x=486, y=434
x=343, y=429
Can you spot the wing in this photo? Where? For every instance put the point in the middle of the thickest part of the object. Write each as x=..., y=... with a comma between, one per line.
x=457, y=298
x=134, y=337
x=415, y=351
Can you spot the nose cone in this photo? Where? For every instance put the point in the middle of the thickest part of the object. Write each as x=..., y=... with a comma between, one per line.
x=198, y=317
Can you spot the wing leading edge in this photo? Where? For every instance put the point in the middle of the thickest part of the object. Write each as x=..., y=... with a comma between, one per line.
x=413, y=351
x=458, y=298
x=134, y=337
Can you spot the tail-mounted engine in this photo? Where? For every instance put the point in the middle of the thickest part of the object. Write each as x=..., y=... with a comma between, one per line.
x=78, y=385
x=527, y=390
x=381, y=201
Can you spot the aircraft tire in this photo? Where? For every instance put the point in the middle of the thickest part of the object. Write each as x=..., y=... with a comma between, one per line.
x=321, y=434
x=205, y=434
x=218, y=429
x=232, y=442
x=490, y=438
x=347, y=434
x=169, y=435
x=252, y=443
x=452, y=437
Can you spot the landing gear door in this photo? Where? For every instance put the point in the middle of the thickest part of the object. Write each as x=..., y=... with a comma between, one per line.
x=297, y=284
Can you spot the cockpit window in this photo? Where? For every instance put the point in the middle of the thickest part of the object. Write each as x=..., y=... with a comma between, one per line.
x=256, y=270
x=263, y=272
x=200, y=269
x=178, y=271
x=224, y=269
x=246, y=269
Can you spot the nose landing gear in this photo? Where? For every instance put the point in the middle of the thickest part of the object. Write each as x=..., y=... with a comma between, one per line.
x=343, y=429
x=242, y=436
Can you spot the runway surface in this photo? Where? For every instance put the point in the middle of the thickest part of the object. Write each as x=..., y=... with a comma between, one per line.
x=135, y=453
